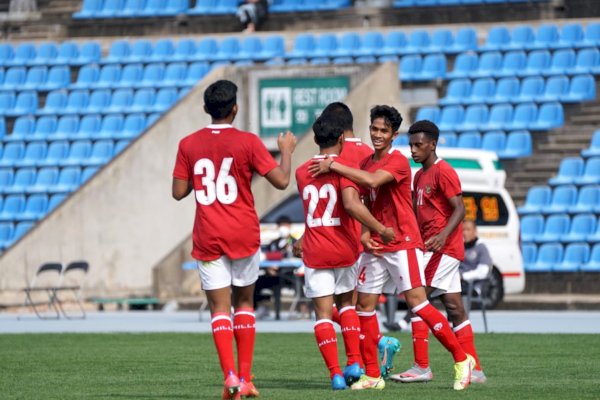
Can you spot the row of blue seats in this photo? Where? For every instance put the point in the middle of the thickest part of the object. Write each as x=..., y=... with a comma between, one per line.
x=560, y=228
x=512, y=90
x=61, y=153
x=566, y=198
x=46, y=180
x=499, y=116
x=35, y=78
x=574, y=170
x=518, y=63
x=515, y=144
x=433, y=3
x=71, y=127
x=50, y=53
x=163, y=8
x=594, y=149
x=10, y=232
x=554, y=257
x=17, y=208
x=96, y=101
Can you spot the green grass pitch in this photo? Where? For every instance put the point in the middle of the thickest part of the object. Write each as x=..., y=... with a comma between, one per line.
x=287, y=366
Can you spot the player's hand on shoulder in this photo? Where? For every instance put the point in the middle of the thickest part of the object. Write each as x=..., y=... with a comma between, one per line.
x=435, y=243
x=297, y=248
x=388, y=235
x=286, y=142
x=320, y=166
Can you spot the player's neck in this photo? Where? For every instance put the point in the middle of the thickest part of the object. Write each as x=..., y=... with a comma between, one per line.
x=223, y=121
x=430, y=161
x=349, y=135
x=335, y=150
x=379, y=154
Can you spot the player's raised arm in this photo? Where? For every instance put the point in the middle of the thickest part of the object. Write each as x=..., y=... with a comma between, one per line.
x=359, y=211
x=358, y=176
x=180, y=188
x=279, y=176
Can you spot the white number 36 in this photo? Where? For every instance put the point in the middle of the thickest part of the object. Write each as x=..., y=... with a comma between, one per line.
x=224, y=188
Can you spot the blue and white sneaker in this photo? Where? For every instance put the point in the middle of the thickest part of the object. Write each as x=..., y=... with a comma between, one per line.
x=352, y=373
x=388, y=347
x=338, y=382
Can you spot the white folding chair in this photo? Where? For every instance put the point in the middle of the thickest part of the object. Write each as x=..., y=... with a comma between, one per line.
x=43, y=284
x=72, y=280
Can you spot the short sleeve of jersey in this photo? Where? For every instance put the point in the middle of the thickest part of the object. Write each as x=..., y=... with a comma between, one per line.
x=449, y=182
x=182, y=165
x=262, y=161
x=398, y=166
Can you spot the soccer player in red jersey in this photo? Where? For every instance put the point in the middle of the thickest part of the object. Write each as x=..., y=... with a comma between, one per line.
x=397, y=265
x=330, y=250
x=217, y=163
x=440, y=210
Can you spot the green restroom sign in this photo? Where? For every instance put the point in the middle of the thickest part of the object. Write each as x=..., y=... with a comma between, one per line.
x=293, y=104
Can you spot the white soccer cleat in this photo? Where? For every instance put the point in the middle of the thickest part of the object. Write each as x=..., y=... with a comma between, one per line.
x=414, y=374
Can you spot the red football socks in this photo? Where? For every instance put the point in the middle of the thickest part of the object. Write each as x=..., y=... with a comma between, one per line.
x=369, y=328
x=223, y=337
x=244, y=329
x=327, y=342
x=335, y=315
x=464, y=334
x=420, y=337
x=441, y=329
x=351, y=333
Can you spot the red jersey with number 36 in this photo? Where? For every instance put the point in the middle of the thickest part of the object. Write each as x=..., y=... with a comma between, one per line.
x=433, y=190
x=331, y=238
x=220, y=160
x=391, y=204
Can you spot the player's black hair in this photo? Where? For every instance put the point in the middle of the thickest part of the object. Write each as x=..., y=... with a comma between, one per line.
x=427, y=127
x=390, y=115
x=284, y=219
x=219, y=98
x=341, y=113
x=327, y=131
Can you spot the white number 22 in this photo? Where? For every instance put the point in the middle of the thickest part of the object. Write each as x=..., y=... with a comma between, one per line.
x=224, y=188
x=312, y=194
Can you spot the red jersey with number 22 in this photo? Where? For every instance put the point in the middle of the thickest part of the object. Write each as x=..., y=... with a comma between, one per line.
x=391, y=204
x=220, y=160
x=331, y=238
x=433, y=189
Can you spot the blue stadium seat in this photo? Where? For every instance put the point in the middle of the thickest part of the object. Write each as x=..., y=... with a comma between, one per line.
x=111, y=126
x=111, y=9
x=55, y=201
x=109, y=76
x=371, y=44
x=594, y=149
x=555, y=227
x=250, y=49
x=531, y=88
x=524, y=116
x=184, y=50
x=563, y=197
x=7, y=176
x=56, y=101
x=175, y=74
x=481, y=90
x=555, y=88
x=545, y=38
x=45, y=178
x=395, y=41
x=7, y=102
x=447, y=139
x=89, y=9
x=582, y=226
x=68, y=53
x=14, y=78
x=587, y=62
x=7, y=232
x=569, y=169
x=13, y=206
x=418, y=42
x=77, y=102
x=441, y=40
x=273, y=47
x=58, y=77
x=489, y=64
x=532, y=226
x=458, y=90
x=153, y=74
x=206, y=50
x=56, y=152
x=164, y=50
x=120, y=101
x=537, y=62
x=45, y=128
x=581, y=88
x=78, y=152
x=21, y=228
x=26, y=103
x=434, y=67
x=6, y=53
x=24, y=177
x=102, y=151
x=529, y=251
x=431, y=113
x=326, y=46
x=99, y=100
x=507, y=89
x=203, y=7
x=165, y=99
x=225, y=7
x=512, y=63
x=154, y=8
x=501, y=115
x=550, y=116
x=143, y=100
x=494, y=141
x=476, y=117
x=571, y=35
x=87, y=173
x=450, y=117
x=591, y=173
x=592, y=35
x=67, y=127
x=410, y=68
x=46, y=54
x=90, y=53
x=35, y=208
x=593, y=265
x=196, y=72
x=588, y=200
x=563, y=62
x=120, y=146
x=34, y=152
x=141, y=51
x=350, y=43
x=497, y=39
x=175, y=7
x=68, y=180
x=23, y=128
x=118, y=53
x=24, y=54
x=469, y=140
x=465, y=40
x=537, y=198
x=304, y=45
x=228, y=49
x=134, y=124
x=36, y=77
x=576, y=254
x=131, y=75
x=87, y=77
x=595, y=237
x=521, y=38
x=132, y=8
x=183, y=92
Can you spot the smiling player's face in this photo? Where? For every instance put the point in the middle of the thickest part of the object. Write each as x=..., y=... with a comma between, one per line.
x=381, y=134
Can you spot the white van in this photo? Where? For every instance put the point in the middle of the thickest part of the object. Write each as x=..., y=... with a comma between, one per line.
x=486, y=201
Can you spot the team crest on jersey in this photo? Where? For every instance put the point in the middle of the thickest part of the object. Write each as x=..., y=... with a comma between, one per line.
x=428, y=189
